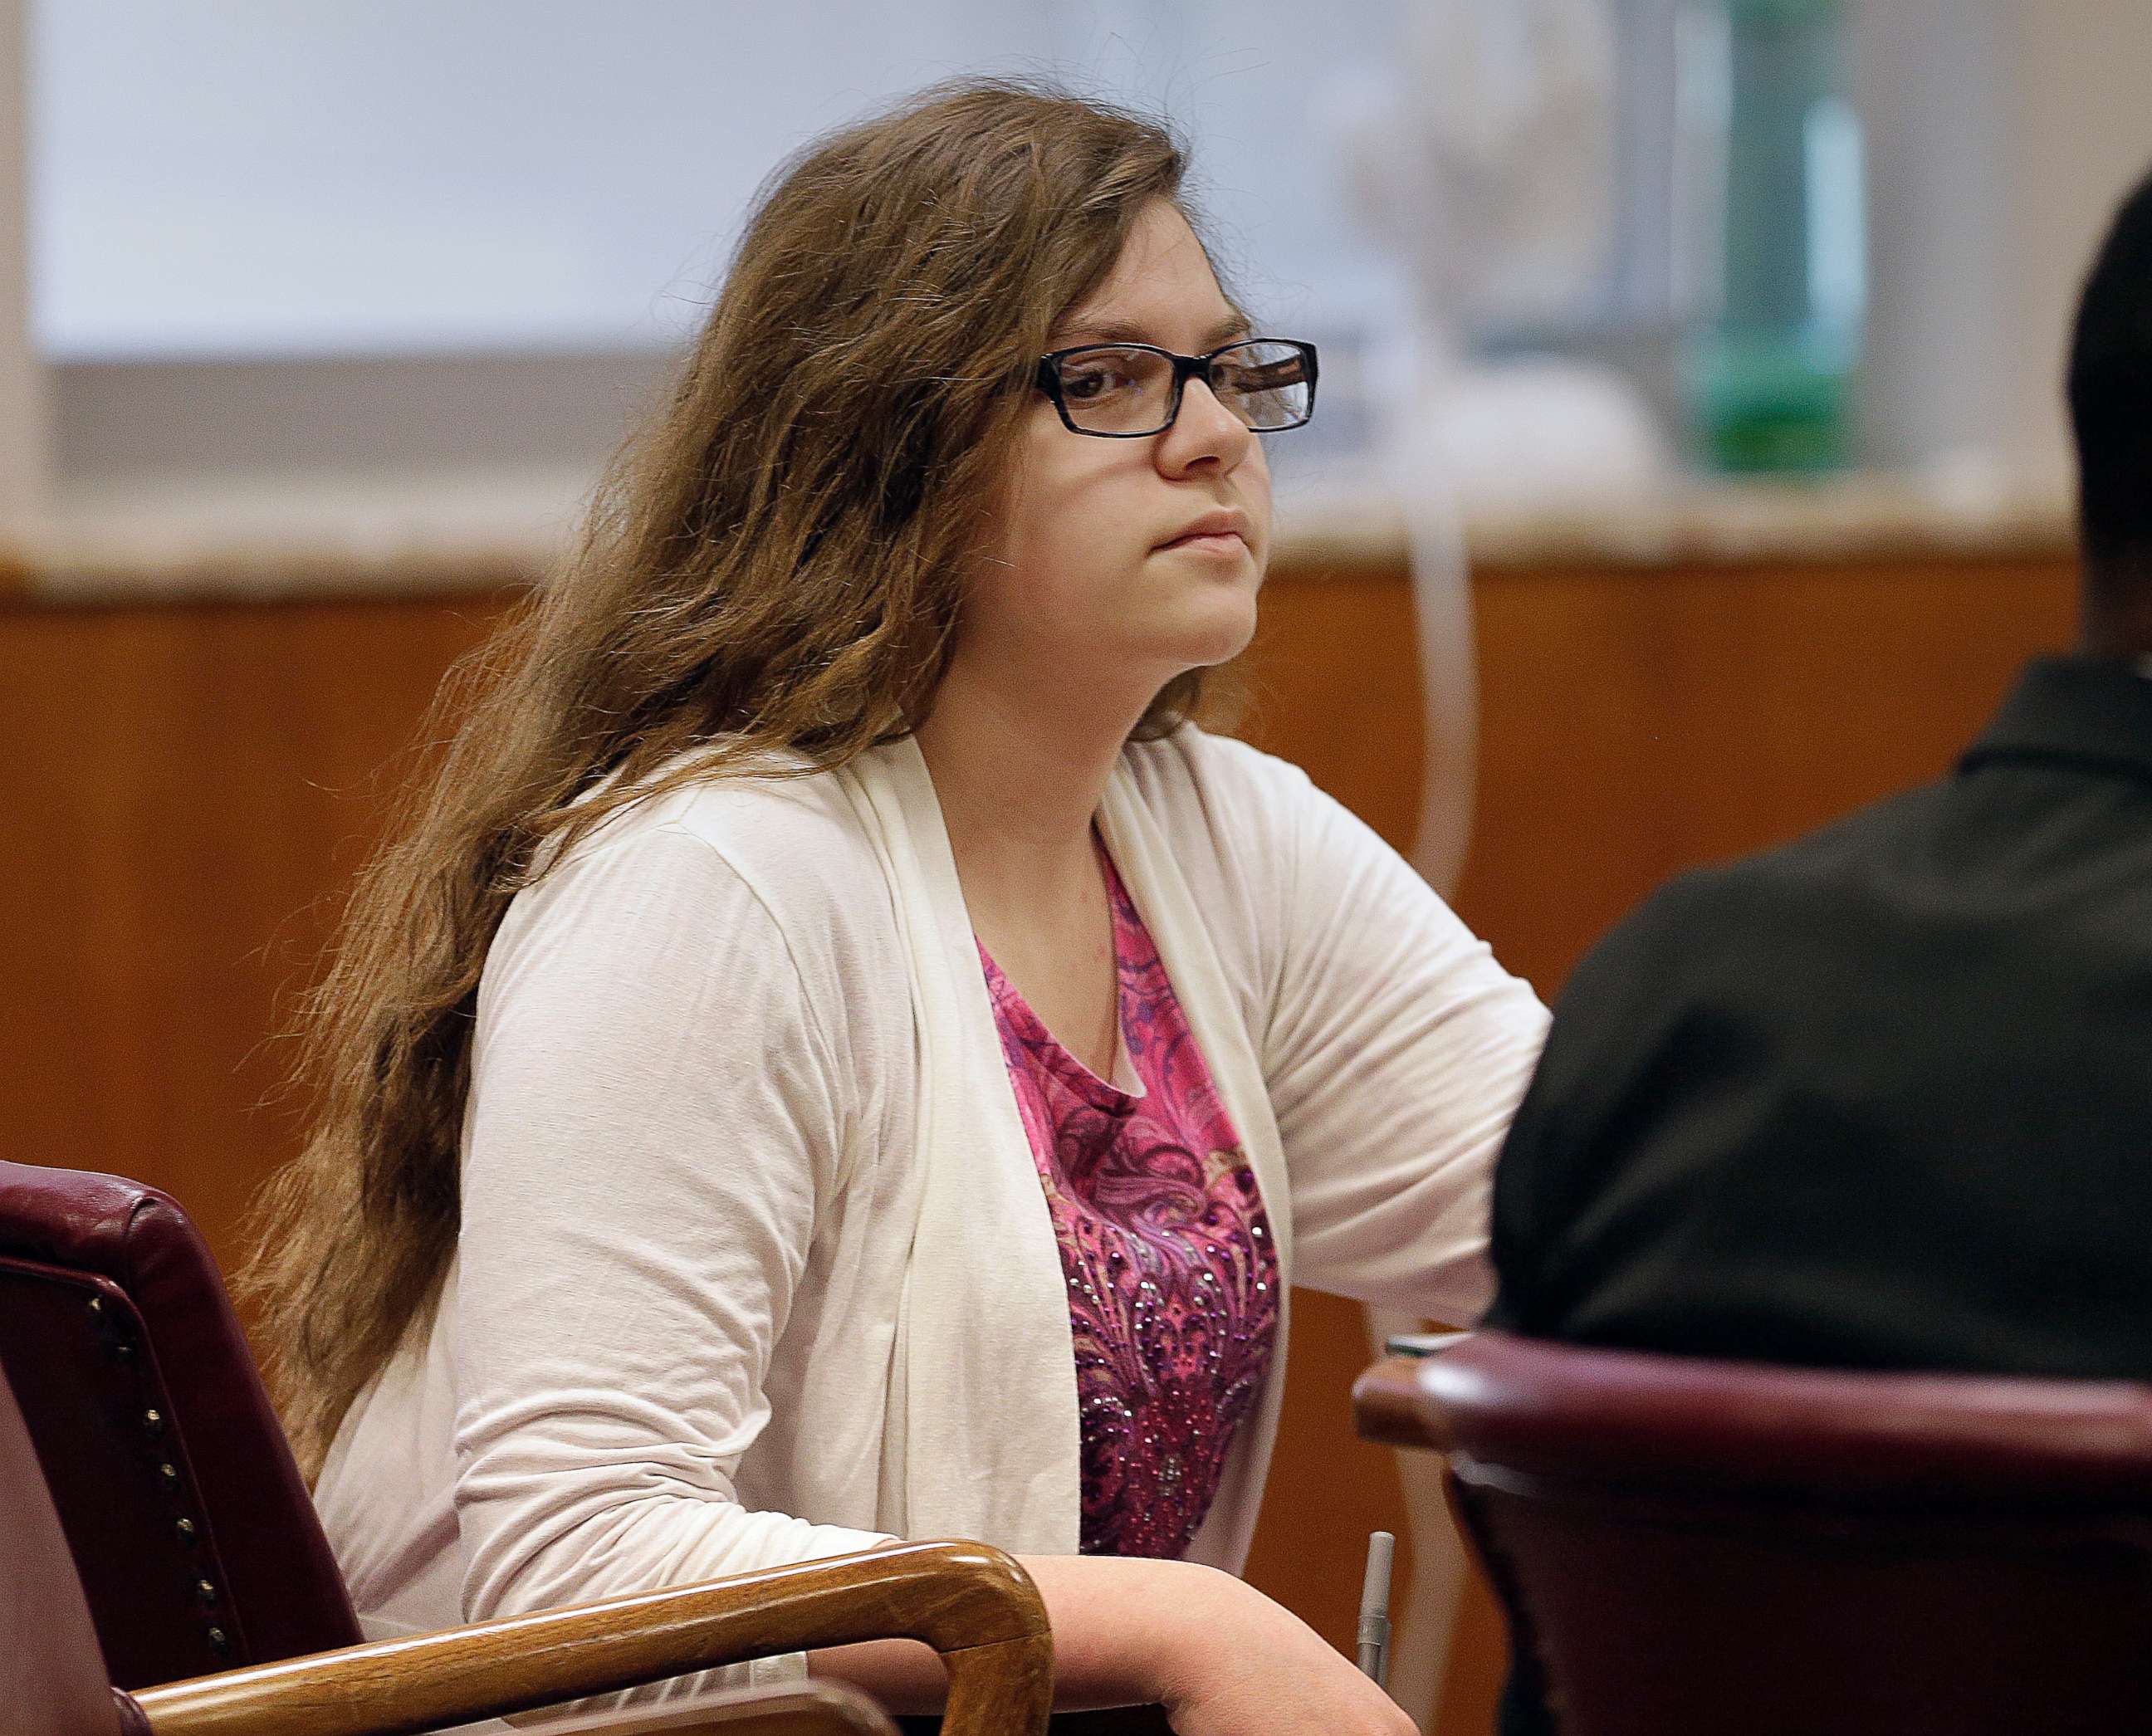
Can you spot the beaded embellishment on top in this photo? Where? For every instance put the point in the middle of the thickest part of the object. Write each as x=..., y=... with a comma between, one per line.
x=1165, y=1245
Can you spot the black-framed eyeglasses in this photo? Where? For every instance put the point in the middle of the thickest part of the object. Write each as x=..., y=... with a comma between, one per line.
x=1125, y=391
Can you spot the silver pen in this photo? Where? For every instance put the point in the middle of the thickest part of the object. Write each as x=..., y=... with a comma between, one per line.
x=1372, y=1639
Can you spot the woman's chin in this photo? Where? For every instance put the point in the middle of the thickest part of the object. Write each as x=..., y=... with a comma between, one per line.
x=1215, y=633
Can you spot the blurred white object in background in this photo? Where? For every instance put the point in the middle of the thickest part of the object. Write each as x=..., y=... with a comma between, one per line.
x=1484, y=152
x=1484, y=156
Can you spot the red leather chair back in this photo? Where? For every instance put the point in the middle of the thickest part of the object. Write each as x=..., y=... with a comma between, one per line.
x=192, y=1530
x=53, y=1680
x=1687, y=1547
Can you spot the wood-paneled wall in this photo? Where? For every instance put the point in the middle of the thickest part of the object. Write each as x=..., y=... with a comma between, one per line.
x=188, y=788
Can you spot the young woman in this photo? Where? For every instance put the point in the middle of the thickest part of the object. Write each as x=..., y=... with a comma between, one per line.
x=837, y=1053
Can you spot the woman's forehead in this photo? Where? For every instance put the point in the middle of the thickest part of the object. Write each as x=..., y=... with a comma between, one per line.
x=1163, y=334
x=1161, y=290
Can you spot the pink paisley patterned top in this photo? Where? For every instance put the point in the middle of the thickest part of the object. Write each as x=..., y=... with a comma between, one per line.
x=1172, y=1276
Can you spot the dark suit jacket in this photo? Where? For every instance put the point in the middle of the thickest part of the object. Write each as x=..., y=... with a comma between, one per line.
x=1882, y=1098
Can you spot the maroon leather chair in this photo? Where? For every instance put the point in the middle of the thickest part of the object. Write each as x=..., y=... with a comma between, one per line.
x=187, y=1520
x=53, y=1680
x=190, y=1536
x=1687, y=1547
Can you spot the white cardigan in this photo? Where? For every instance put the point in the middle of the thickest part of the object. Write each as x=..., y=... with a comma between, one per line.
x=755, y=1266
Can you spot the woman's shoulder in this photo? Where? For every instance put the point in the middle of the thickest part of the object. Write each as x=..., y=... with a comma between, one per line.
x=1190, y=772
x=790, y=840
x=744, y=891
x=1214, y=794
x=1256, y=832
x=788, y=818
x=1239, y=825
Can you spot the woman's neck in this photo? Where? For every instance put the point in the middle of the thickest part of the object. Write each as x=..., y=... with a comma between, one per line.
x=1019, y=777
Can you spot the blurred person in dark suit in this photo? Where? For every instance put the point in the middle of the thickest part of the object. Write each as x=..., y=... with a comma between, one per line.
x=1882, y=1098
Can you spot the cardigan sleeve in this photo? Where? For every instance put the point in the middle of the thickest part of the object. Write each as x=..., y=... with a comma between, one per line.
x=656, y=1119
x=1396, y=1050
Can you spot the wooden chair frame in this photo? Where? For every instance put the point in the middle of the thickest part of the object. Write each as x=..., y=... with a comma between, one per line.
x=974, y=1604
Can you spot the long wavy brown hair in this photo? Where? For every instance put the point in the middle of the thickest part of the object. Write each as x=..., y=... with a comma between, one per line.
x=775, y=561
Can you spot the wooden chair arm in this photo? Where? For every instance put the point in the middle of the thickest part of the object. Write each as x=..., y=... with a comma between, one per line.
x=970, y=1602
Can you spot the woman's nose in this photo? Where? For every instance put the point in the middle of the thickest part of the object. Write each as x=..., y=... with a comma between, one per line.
x=1205, y=430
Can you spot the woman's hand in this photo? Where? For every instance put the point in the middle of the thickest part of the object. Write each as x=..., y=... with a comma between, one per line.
x=1231, y=1662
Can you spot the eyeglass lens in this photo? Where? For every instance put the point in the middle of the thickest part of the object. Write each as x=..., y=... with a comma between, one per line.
x=1130, y=391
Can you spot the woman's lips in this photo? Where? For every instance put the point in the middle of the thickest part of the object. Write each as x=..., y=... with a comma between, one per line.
x=1211, y=542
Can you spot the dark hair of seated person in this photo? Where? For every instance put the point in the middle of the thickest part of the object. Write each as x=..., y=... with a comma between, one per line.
x=2110, y=397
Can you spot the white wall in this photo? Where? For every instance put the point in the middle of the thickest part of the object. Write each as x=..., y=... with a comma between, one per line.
x=514, y=192
x=261, y=177
x=2003, y=135
x=22, y=375
x=2077, y=112
x=1936, y=160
